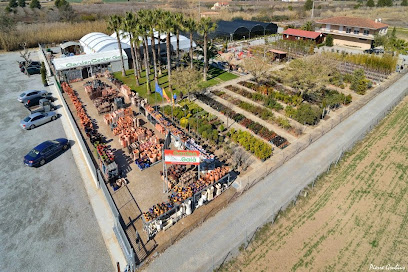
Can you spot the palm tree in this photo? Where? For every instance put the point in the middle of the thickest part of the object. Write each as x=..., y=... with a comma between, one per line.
x=168, y=22
x=178, y=24
x=114, y=24
x=158, y=26
x=206, y=26
x=129, y=24
x=150, y=21
x=143, y=31
x=190, y=25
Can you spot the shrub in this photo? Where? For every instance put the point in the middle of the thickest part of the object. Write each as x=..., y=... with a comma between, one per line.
x=250, y=143
x=359, y=83
x=329, y=40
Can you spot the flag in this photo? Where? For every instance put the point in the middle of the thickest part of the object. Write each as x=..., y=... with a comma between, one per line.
x=158, y=89
x=165, y=96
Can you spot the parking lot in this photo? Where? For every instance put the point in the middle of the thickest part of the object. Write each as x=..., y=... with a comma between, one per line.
x=47, y=223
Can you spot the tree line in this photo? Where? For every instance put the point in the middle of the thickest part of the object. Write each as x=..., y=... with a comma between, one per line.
x=143, y=25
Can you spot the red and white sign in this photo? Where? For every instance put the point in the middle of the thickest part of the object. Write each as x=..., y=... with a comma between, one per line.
x=181, y=157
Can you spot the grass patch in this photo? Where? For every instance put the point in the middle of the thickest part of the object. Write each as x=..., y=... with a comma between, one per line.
x=215, y=76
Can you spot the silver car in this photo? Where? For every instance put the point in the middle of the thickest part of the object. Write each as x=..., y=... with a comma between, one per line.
x=37, y=119
x=31, y=94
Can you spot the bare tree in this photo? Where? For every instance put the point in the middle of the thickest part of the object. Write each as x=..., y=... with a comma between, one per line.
x=240, y=158
x=25, y=54
x=258, y=67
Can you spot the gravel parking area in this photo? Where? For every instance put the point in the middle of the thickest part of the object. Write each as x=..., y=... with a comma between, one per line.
x=46, y=220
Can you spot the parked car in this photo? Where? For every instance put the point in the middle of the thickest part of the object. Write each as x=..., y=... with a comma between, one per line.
x=43, y=152
x=33, y=70
x=37, y=119
x=31, y=94
x=32, y=102
x=33, y=63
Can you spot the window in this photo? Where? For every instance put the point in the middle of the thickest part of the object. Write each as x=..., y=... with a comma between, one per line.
x=356, y=31
x=348, y=29
x=366, y=32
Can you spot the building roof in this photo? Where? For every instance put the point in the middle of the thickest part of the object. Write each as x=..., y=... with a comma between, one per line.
x=98, y=42
x=278, y=52
x=68, y=44
x=64, y=63
x=243, y=28
x=352, y=21
x=302, y=33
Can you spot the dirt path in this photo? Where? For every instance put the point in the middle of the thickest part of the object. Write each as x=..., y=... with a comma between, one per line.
x=354, y=219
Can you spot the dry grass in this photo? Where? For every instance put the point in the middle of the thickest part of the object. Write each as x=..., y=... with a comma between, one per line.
x=48, y=33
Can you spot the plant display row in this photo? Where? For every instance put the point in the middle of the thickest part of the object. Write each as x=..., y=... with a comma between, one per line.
x=197, y=119
x=384, y=64
x=259, y=148
x=305, y=114
x=255, y=127
x=269, y=92
x=327, y=98
x=262, y=113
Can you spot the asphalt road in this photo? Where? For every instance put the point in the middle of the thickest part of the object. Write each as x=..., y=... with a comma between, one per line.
x=207, y=246
x=46, y=220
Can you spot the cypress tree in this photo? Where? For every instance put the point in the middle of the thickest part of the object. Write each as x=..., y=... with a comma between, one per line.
x=22, y=3
x=404, y=3
x=35, y=4
x=308, y=5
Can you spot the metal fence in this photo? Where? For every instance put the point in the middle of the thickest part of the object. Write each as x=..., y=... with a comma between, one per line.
x=96, y=173
x=243, y=241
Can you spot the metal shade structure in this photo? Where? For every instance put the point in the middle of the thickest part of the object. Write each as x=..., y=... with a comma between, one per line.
x=238, y=29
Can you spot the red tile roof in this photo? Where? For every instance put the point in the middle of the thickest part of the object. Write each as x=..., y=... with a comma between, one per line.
x=301, y=33
x=351, y=21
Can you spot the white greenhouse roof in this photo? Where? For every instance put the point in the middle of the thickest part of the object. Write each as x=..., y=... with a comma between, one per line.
x=65, y=63
x=99, y=42
x=184, y=41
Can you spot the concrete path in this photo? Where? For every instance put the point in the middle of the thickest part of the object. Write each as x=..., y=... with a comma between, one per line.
x=207, y=246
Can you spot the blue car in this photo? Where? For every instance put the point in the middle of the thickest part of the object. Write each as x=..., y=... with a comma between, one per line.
x=45, y=151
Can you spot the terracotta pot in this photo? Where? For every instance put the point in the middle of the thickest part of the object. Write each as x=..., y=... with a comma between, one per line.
x=211, y=178
x=216, y=177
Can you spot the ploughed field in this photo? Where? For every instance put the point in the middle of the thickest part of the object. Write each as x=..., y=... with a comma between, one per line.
x=356, y=217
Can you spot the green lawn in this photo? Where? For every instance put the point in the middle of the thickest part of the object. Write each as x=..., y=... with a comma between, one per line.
x=215, y=76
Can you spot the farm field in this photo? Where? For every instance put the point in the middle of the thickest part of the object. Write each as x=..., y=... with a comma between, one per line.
x=355, y=217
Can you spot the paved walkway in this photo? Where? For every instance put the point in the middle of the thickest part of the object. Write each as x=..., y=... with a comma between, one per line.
x=208, y=245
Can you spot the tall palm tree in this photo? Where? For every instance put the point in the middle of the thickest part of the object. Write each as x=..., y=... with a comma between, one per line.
x=143, y=30
x=168, y=22
x=114, y=24
x=190, y=25
x=158, y=27
x=129, y=24
x=178, y=25
x=150, y=20
x=205, y=27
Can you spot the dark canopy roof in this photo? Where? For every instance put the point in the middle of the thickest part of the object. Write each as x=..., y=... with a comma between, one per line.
x=240, y=28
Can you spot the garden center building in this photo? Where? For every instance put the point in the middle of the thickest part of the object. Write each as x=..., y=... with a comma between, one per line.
x=100, y=52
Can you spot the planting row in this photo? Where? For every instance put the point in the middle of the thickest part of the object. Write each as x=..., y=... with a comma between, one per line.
x=259, y=148
x=255, y=127
x=191, y=116
x=262, y=113
x=269, y=95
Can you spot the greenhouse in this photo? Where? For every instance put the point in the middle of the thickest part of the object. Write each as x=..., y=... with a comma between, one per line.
x=241, y=29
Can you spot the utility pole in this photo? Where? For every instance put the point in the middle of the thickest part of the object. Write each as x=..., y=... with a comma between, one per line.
x=312, y=10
